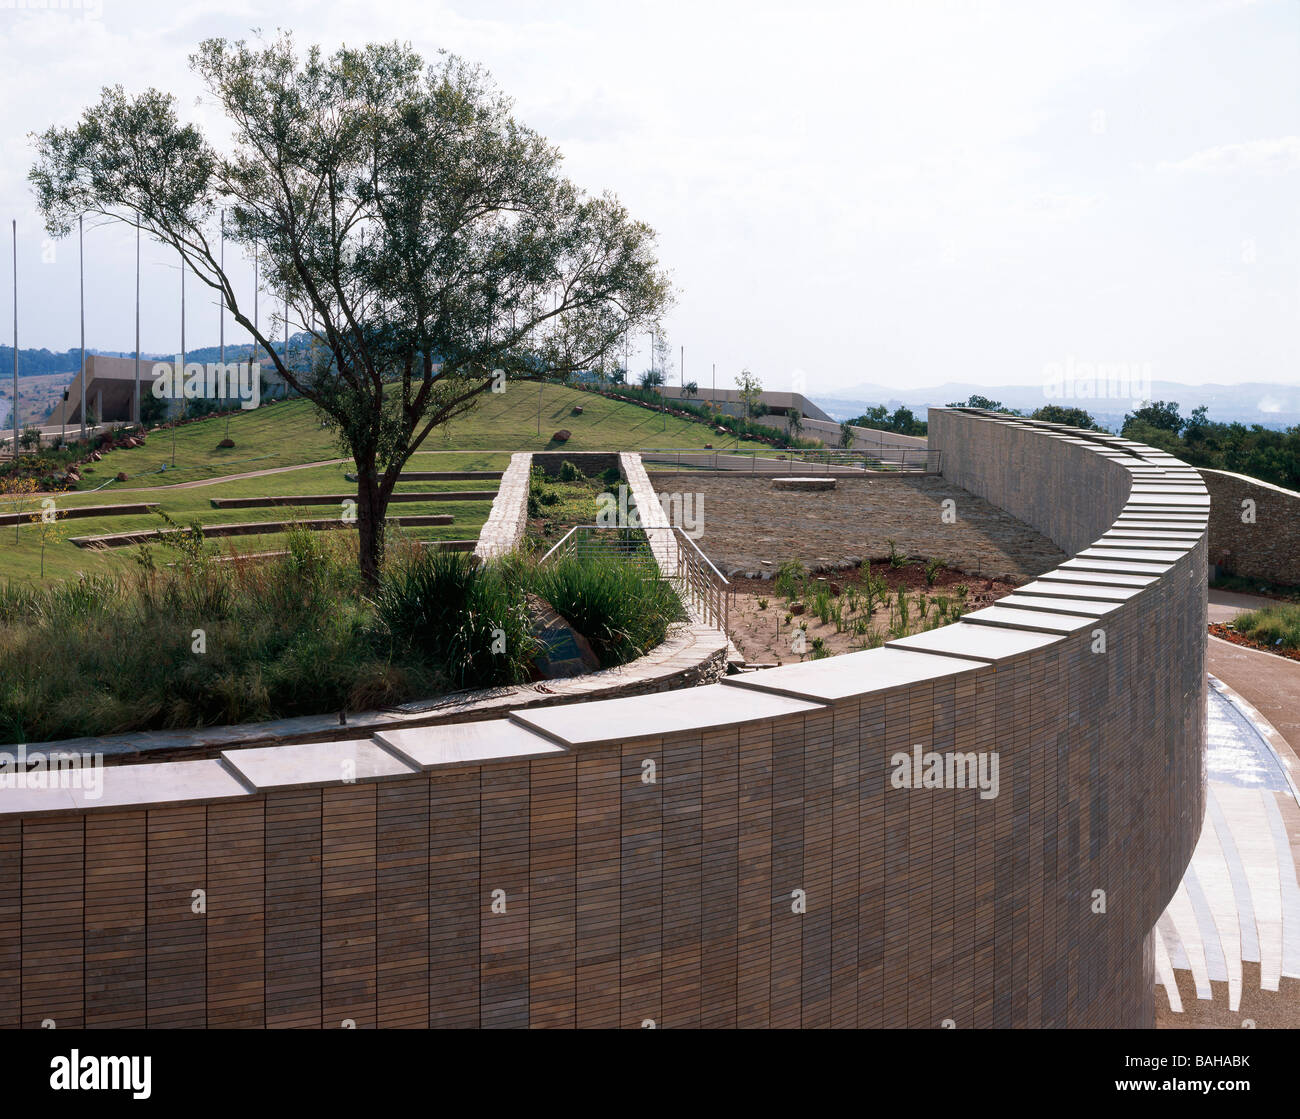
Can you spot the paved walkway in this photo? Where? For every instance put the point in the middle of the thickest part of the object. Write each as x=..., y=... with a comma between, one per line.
x=1226, y=605
x=1228, y=946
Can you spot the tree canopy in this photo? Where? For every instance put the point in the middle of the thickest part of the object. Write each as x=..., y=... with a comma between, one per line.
x=421, y=235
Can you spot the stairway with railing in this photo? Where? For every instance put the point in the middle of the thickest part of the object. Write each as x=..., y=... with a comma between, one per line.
x=704, y=591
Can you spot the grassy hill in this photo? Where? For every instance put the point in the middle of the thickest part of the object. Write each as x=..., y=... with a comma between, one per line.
x=289, y=434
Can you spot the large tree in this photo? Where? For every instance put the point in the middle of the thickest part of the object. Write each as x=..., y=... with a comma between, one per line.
x=424, y=237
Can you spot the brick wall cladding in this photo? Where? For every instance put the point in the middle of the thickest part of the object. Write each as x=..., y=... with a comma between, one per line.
x=1267, y=549
x=672, y=901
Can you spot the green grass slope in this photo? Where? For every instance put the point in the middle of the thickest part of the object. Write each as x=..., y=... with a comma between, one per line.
x=289, y=434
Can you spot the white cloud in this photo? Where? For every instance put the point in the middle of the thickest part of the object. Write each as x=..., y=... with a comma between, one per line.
x=881, y=192
x=1253, y=157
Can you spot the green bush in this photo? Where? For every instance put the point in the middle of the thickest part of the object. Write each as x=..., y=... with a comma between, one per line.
x=200, y=642
x=1277, y=625
x=623, y=609
x=570, y=473
x=789, y=580
x=190, y=646
x=470, y=618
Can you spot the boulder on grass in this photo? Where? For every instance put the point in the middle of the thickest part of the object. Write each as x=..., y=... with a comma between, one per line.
x=121, y=475
x=226, y=443
x=577, y=409
x=561, y=436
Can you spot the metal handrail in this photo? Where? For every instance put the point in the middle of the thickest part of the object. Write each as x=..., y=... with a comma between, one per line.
x=734, y=460
x=560, y=543
x=696, y=575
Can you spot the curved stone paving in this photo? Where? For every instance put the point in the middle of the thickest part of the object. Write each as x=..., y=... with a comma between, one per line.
x=1231, y=935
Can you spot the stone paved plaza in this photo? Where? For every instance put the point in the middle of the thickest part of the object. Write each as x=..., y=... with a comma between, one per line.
x=746, y=521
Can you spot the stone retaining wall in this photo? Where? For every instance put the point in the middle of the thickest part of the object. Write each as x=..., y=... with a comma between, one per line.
x=591, y=463
x=1261, y=539
x=504, y=528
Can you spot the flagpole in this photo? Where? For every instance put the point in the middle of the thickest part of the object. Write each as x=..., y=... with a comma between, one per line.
x=181, y=380
x=138, y=417
x=81, y=264
x=223, y=297
x=15, y=230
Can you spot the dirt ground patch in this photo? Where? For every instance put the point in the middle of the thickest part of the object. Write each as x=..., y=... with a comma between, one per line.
x=743, y=522
x=1227, y=633
x=848, y=610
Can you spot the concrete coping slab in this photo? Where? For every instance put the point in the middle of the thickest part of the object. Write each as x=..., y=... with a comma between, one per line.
x=1152, y=534
x=1167, y=497
x=1168, y=522
x=151, y=785
x=467, y=743
x=974, y=642
x=1110, y=550
x=1088, y=576
x=1056, y=604
x=1093, y=592
x=1036, y=621
x=852, y=674
x=303, y=765
x=655, y=716
x=1123, y=567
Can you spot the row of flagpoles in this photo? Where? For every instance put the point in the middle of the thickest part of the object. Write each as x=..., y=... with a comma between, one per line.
x=82, y=295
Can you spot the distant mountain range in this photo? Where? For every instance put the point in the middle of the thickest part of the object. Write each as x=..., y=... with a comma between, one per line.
x=1272, y=405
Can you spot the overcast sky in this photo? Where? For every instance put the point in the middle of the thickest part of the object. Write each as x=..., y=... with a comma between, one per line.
x=903, y=193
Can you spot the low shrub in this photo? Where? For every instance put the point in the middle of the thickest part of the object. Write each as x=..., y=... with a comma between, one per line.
x=624, y=609
x=1277, y=625
x=472, y=619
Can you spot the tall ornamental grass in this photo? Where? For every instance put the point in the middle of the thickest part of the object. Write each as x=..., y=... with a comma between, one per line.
x=201, y=642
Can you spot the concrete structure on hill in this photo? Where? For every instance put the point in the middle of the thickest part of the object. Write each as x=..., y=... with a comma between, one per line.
x=110, y=389
x=730, y=403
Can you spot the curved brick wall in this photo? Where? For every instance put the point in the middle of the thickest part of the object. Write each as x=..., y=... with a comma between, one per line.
x=1260, y=540
x=734, y=854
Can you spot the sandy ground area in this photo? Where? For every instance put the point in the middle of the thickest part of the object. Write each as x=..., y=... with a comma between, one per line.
x=769, y=628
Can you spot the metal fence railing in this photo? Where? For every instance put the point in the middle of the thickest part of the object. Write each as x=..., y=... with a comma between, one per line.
x=667, y=551
x=706, y=586
x=906, y=460
x=627, y=544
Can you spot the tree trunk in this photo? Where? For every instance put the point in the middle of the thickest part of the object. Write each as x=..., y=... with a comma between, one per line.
x=372, y=507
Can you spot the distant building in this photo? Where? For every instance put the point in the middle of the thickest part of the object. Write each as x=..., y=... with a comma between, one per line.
x=110, y=389
x=730, y=402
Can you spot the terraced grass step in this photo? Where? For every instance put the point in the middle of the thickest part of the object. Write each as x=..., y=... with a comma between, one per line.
x=441, y=475
x=247, y=528
x=440, y=545
x=339, y=498
x=82, y=511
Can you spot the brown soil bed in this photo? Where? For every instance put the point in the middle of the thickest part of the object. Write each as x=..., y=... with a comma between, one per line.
x=1220, y=630
x=763, y=636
